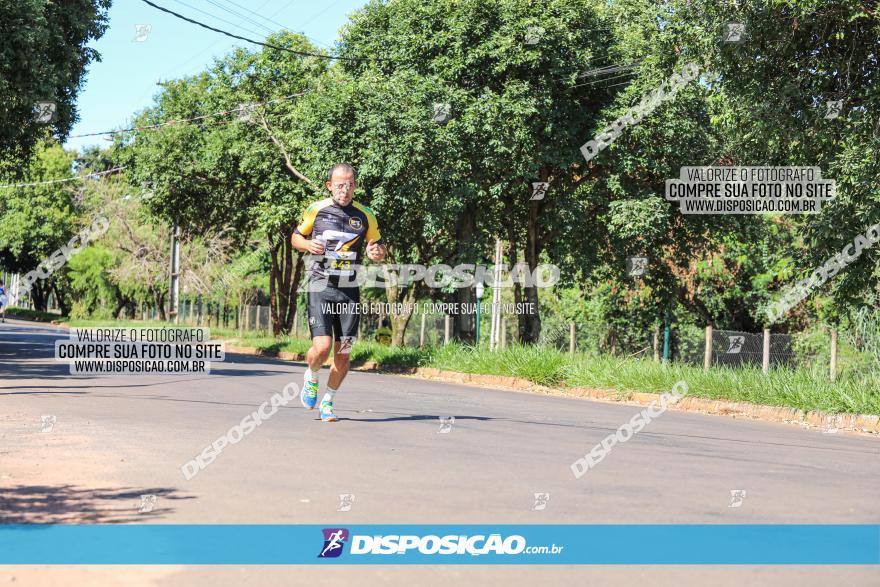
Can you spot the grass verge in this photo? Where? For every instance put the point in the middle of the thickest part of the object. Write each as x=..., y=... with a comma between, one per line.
x=806, y=389
x=25, y=314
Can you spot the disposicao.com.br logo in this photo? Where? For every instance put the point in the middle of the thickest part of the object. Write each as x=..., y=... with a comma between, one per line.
x=334, y=541
x=393, y=544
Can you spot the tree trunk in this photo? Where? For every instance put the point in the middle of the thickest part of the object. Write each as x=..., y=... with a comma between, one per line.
x=461, y=323
x=121, y=303
x=39, y=294
x=399, y=321
x=284, y=277
x=159, y=300
x=512, y=260
x=530, y=324
x=61, y=298
x=124, y=303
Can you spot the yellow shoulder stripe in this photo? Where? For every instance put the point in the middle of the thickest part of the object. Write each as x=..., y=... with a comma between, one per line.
x=308, y=218
x=373, y=233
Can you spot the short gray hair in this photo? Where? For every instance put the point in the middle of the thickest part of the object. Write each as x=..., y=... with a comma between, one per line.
x=344, y=166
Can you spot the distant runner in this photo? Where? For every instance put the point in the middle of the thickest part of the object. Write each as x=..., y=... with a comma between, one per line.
x=339, y=227
x=3, y=300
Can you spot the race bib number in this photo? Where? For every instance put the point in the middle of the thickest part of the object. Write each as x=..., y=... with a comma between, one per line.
x=340, y=262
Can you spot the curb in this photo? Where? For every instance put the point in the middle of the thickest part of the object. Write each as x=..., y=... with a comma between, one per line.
x=863, y=423
x=851, y=422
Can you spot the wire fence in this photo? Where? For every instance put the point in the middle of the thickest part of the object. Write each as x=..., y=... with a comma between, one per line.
x=686, y=344
x=736, y=348
x=714, y=348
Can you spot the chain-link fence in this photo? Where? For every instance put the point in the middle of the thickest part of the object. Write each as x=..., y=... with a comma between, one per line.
x=686, y=343
x=734, y=348
x=597, y=338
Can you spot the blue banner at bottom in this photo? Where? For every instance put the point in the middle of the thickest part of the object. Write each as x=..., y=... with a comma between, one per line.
x=625, y=544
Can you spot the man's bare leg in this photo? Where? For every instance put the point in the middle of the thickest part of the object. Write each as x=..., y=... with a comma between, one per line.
x=339, y=368
x=319, y=352
x=315, y=357
x=338, y=371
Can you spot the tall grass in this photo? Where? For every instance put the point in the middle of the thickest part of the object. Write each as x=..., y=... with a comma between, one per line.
x=808, y=389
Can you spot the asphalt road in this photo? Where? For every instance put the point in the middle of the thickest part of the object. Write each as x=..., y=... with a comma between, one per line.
x=115, y=438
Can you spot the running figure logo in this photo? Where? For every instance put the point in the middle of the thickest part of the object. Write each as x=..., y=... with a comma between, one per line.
x=148, y=502
x=533, y=35
x=539, y=189
x=345, y=345
x=636, y=266
x=44, y=112
x=246, y=111
x=441, y=112
x=831, y=424
x=141, y=32
x=735, y=32
x=334, y=541
x=541, y=500
x=446, y=423
x=735, y=344
x=47, y=423
x=833, y=108
x=346, y=500
x=736, y=498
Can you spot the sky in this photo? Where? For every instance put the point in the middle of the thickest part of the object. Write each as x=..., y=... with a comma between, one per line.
x=124, y=82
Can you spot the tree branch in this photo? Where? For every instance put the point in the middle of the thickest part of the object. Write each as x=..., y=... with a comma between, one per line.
x=284, y=153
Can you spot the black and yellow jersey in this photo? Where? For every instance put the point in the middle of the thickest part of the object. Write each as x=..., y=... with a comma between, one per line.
x=344, y=232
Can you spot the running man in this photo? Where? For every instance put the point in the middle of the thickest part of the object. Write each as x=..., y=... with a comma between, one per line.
x=339, y=228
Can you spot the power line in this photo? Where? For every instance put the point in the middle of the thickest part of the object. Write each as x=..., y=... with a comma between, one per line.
x=180, y=120
x=206, y=13
x=614, y=68
x=596, y=57
x=245, y=8
x=326, y=8
x=95, y=174
x=280, y=26
x=629, y=81
x=241, y=16
x=192, y=57
x=604, y=79
x=269, y=45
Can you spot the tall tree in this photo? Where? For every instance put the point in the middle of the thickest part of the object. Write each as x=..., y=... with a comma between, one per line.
x=232, y=171
x=44, y=54
x=37, y=220
x=795, y=62
x=509, y=72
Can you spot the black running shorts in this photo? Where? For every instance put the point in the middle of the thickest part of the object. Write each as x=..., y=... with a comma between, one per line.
x=334, y=311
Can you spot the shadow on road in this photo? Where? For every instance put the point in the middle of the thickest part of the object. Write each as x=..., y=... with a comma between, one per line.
x=413, y=417
x=27, y=352
x=68, y=504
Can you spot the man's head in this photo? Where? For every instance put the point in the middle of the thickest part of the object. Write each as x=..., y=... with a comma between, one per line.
x=342, y=181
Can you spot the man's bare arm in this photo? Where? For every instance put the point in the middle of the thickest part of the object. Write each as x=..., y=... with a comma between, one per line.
x=301, y=243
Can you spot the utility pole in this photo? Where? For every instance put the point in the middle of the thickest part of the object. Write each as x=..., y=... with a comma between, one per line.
x=479, y=287
x=174, y=296
x=666, y=335
x=494, y=341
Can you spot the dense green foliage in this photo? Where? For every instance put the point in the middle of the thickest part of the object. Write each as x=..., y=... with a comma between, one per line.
x=444, y=190
x=43, y=58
